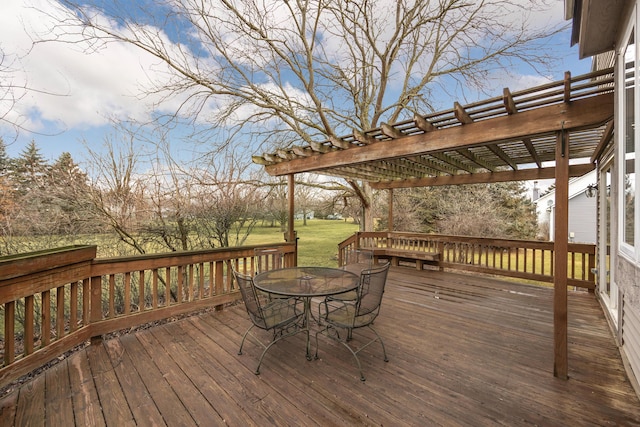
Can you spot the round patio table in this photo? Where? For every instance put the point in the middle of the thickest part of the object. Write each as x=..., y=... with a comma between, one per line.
x=306, y=283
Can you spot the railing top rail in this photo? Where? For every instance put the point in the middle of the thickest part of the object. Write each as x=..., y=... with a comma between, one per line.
x=13, y=266
x=519, y=243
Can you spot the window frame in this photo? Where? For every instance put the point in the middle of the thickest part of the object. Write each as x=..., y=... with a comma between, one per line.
x=629, y=251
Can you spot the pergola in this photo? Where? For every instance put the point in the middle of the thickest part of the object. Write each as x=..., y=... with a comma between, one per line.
x=554, y=131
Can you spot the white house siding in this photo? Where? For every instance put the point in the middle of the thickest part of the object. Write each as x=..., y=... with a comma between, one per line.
x=628, y=280
x=627, y=270
x=583, y=219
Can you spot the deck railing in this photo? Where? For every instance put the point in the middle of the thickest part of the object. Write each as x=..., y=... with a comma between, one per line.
x=54, y=301
x=523, y=259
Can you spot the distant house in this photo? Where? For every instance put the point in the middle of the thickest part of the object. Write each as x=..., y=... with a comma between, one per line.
x=309, y=215
x=582, y=210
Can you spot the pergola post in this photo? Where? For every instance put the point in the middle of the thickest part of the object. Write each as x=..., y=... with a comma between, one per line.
x=290, y=235
x=561, y=238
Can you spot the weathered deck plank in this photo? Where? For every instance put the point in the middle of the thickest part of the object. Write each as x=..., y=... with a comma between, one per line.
x=86, y=404
x=464, y=351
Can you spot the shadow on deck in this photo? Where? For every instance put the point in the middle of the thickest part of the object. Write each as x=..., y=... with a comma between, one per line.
x=463, y=350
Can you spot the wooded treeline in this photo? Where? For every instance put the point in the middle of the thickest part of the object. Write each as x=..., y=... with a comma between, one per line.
x=168, y=208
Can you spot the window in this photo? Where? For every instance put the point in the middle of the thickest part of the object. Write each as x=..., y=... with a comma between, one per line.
x=629, y=156
x=629, y=146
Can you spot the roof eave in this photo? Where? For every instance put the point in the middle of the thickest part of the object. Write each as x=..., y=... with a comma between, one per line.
x=595, y=25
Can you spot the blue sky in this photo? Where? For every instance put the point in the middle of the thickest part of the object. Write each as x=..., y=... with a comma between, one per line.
x=77, y=94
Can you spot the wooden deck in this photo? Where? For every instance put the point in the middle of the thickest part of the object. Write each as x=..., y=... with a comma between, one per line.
x=463, y=350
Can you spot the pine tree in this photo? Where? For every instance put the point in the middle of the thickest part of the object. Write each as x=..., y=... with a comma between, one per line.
x=68, y=205
x=5, y=161
x=29, y=170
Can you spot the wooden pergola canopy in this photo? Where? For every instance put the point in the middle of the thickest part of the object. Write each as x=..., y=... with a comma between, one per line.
x=557, y=130
x=508, y=138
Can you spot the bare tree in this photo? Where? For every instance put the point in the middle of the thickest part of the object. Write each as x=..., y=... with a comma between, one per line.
x=286, y=72
x=117, y=190
x=10, y=92
x=226, y=203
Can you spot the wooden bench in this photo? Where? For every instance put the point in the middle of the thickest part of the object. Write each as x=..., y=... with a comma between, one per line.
x=399, y=256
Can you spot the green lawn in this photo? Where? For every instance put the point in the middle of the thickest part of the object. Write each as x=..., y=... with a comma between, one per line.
x=317, y=241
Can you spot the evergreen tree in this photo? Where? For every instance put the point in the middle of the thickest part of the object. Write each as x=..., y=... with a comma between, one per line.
x=5, y=161
x=69, y=209
x=30, y=169
x=7, y=202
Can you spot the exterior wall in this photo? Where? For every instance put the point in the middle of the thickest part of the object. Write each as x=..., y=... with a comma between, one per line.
x=627, y=270
x=582, y=218
x=625, y=266
x=604, y=60
x=628, y=279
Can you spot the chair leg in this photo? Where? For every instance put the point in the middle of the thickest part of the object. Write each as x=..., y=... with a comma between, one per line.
x=362, y=378
x=267, y=347
x=337, y=338
x=262, y=355
x=384, y=351
x=244, y=337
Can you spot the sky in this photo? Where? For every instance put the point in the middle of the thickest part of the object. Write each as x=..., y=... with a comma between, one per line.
x=75, y=95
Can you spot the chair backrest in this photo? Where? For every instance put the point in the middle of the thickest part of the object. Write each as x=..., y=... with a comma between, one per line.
x=250, y=298
x=372, y=283
x=268, y=259
x=359, y=256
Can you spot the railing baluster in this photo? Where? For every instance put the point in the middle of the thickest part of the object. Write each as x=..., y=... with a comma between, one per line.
x=112, y=296
x=190, y=280
x=46, y=318
x=127, y=293
x=9, y=332
x=201, y=280
x=86, y=301
x=29, y=323
x=154, y=288
x=73, y=306
x=141, y=294
x=60, y=312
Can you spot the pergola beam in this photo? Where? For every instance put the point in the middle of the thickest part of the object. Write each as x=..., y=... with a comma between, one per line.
x=580, y=114
x=482, y=178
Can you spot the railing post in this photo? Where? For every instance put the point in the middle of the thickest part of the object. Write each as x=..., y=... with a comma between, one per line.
x=590, y=276
x=96, y=305
x=219, y=281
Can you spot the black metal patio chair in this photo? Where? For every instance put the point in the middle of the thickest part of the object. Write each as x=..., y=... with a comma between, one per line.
x=270, y=258
x=356, y=261
x=346, y=316
x=281, y=316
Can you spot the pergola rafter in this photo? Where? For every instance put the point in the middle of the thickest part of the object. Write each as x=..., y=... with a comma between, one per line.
x=515, y=131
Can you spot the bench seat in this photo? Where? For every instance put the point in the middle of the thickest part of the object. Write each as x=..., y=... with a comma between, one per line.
x=397, y=256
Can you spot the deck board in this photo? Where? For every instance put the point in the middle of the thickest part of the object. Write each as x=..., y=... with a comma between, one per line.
x=84, y=396
x=464, y=350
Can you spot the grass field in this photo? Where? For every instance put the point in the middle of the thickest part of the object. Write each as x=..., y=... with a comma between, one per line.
x=317, y=241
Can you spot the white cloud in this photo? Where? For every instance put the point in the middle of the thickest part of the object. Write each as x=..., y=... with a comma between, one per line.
x=69, y=86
